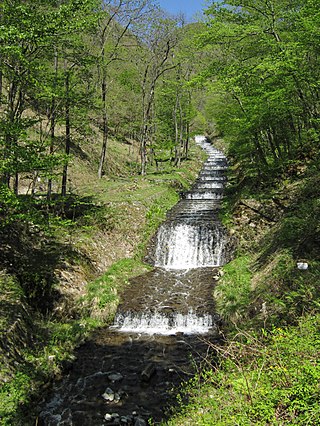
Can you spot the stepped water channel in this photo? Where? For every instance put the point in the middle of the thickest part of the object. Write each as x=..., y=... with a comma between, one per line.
x=128, y=373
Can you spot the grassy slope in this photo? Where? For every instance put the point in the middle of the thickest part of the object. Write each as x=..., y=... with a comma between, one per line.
x=99, y=244
x=268, y=371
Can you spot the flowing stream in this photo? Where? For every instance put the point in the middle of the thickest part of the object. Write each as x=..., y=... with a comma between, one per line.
x=129, y=372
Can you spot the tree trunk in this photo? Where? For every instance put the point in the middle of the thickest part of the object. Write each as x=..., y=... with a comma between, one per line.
x=145, y=129
x=143, y=150
x=179, y=132
x=104, y=127
x=1, y=86
x=52, y=121
x=68, y=138
x=181, y=135
x=176, y=130
x=10, y=137
x=259, y=150
x=186, y=142
x=187, y=136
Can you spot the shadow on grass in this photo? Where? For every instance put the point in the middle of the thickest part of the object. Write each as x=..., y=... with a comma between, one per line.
x=30, y=251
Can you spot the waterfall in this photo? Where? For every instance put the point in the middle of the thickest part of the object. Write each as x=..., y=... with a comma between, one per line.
x=204, y=195
x=188, y=245
x=126, y=373
x=157, y=323
x=172, y=298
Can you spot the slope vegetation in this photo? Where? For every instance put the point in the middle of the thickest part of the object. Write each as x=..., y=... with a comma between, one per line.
x=267, y=372
x=64, y=269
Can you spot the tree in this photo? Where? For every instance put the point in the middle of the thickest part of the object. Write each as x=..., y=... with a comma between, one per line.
x=28, y=32
x=120, y=16
x=158, y=43
x=265, y=68
x=174, y=107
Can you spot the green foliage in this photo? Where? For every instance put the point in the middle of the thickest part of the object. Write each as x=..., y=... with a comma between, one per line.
x=286, y=292
x=262, y=76
x=8, y=203
x=232, y=293
x=155, y=215
x=8, y=285
x=59, y=342
x=12, y=395
x=11, y=295
x=271, y=379
x=102, y=295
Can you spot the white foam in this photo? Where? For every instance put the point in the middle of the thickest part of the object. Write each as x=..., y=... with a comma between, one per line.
x=157, y=323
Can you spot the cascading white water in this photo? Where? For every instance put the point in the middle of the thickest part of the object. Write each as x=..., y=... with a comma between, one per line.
x=185, y=246
x=206, y=195
x=191, y=239
x=215, y=178
x=158, y=323
x=210, y=185
x=211, y=172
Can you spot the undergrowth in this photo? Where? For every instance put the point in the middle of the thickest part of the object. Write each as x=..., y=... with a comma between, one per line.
x=233, y=292
x=268, y=378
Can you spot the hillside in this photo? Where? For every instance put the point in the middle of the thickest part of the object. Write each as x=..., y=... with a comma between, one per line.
x=267, y=372
x=61, y=281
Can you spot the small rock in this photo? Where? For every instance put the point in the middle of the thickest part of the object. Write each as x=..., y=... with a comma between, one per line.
x=115, y=415
x=264, y=309
x=302, y=266
x=148, y=372
x=116, y=398
x=108, y=417
x=108, y=395
x=115, y=377
x=140, y=422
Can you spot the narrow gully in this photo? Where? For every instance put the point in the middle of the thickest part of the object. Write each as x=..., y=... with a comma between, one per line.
x=130, y=372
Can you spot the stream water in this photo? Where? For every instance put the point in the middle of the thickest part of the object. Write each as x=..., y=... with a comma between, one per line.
x=130, y=372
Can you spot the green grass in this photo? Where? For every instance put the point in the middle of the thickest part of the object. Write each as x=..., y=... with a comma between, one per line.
x=287, y=292
x=261, y=380
x=102, y=295
x=12, y=395
x=232, y=293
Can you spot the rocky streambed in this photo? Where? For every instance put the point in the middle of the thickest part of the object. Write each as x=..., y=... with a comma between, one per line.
x=124, y=379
